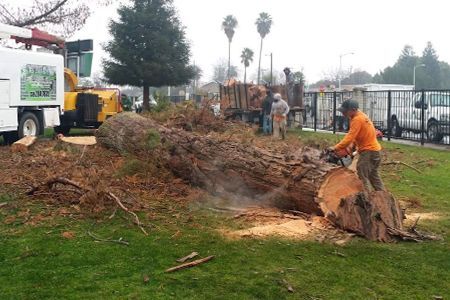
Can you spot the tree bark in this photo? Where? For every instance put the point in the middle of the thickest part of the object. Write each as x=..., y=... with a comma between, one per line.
x=259, y=63
x=146, y=98
x=229, y=59
x=248, y=174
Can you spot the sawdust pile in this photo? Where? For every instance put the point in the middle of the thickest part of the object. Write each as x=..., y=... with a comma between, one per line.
x=263, y=222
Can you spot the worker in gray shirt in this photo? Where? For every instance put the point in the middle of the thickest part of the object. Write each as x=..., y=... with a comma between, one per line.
x=279, y=112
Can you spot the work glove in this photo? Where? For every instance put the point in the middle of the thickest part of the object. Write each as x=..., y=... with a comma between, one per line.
x=341, y=152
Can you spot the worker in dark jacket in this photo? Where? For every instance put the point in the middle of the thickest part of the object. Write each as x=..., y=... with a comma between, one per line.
x=266, y=109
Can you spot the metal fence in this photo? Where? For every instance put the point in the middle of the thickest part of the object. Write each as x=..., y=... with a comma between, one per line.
x=321, y=111
x=422, y=116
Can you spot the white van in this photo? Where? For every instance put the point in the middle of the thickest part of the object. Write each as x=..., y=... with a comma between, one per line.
x=31, y=92
x=436, y=112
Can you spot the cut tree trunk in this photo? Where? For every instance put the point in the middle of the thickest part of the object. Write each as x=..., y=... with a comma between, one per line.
x=242, y=173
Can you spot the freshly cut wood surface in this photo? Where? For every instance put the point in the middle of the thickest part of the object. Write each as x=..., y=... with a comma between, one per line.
x=79, y=140
x=23, y=144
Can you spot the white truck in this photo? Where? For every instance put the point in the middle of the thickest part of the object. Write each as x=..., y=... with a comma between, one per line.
x=31, y=86
x=436, y=111
x=31, y=92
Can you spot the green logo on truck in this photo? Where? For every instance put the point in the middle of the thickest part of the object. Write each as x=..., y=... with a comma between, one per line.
x=38, y=83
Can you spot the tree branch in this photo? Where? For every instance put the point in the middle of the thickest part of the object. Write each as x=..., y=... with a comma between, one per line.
x=42, y=16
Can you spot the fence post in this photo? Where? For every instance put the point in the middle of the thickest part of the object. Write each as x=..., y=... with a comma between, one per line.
x=334, y=112
x=389, y=124
x=315, y=98
x=422, y=119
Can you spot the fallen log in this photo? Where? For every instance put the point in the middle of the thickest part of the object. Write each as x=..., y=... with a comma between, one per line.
x=23, y=144
x=298, y=181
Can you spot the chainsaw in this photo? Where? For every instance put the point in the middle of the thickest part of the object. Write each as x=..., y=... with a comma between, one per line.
x=331, y=157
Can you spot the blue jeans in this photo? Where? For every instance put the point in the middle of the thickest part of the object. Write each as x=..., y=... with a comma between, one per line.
x=267, y=124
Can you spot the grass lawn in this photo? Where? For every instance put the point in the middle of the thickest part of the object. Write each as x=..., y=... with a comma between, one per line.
x=36, y=262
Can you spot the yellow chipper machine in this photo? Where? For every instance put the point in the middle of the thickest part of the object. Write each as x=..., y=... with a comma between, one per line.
x=84, y=107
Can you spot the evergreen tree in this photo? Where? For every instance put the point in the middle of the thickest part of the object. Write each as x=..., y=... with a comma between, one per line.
x=149, y=47
x=432, y=70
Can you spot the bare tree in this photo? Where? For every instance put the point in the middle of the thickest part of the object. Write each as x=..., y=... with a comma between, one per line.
x=63, y=17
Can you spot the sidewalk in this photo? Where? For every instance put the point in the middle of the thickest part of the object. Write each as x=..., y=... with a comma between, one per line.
x=393, y=140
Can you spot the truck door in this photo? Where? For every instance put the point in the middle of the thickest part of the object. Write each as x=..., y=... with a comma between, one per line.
x=8, y=115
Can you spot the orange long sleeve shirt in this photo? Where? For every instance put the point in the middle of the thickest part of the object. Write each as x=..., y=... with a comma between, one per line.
x=362, y=133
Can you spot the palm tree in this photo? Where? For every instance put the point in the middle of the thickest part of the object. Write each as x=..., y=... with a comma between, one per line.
x=229, y=23
x=263, y=25
x=246, y=59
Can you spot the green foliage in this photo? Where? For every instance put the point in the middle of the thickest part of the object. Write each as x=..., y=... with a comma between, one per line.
x=263, y=24
x=162, y=102
x=246, y=59
x=434, y=74
x=126, y=103
x=247, y=56
x=153, y=139
x=299, y=77
x=149, y=47
x=6, y=198
x=229, y=25
x=131, y=167
x=358, y=77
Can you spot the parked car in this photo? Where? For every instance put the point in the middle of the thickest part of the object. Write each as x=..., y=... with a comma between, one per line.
x=436, y=108
x=139, y=103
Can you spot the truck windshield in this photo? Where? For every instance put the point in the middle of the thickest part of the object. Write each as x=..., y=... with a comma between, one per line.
x=440, y=100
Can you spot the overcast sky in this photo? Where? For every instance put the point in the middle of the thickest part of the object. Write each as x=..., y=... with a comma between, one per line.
x=308, y=35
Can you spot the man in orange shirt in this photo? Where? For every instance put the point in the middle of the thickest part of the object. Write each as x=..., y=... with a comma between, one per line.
x=362, y=133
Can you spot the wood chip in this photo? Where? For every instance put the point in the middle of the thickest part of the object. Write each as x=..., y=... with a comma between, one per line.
x=187, y=257
x=146, y=279
x=288, y=286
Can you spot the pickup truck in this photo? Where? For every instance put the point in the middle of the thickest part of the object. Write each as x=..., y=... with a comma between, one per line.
x=408, y=115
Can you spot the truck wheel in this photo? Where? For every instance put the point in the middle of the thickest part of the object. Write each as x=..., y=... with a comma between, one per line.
x=396, y=130
x=29, y=125
x=433, y=132
x=64, y=130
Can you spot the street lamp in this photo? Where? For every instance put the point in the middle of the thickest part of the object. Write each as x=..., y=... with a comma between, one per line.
x=340, y=66
x=414, y=74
